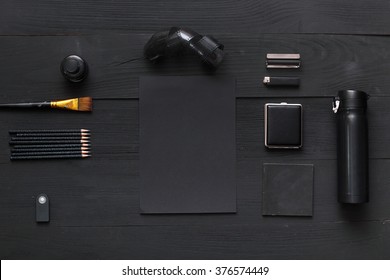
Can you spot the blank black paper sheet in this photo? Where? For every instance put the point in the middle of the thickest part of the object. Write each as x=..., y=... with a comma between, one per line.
x=187, y=144
x=288, y=189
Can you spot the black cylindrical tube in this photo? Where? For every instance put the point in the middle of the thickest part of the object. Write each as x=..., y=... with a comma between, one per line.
x=352, y=147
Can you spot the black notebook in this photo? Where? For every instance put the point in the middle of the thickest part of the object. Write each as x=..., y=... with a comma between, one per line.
x=187, y=144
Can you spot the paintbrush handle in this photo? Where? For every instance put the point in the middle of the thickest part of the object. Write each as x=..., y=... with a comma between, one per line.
x=45, y=104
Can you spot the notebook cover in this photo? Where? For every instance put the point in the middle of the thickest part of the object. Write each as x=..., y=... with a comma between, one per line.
x=187, y=144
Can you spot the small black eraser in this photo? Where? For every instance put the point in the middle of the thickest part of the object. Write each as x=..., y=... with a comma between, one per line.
x=42, y=214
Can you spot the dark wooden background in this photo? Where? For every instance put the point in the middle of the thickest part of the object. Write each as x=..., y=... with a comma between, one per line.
x=95, y=202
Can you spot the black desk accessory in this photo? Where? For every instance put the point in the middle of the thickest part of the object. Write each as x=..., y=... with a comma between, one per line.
x=187, y=144
x=281, y=60
x=74, y=104
x=283, y=125
x=288, y=189
x=74, y=68
x=47, y=144
x=281, y=81
x=175, y=40
x=42, y=211
x=352, y=146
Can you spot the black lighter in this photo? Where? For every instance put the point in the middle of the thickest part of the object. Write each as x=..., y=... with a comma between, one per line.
x=352, y=146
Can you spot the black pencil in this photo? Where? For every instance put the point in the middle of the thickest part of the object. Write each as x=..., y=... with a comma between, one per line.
x=54, y=134
x=49, y=157
x=21, y=150
x=49, y=142
x=48, y=131
x=40, y=146
x=39, y=153
x=48, y=138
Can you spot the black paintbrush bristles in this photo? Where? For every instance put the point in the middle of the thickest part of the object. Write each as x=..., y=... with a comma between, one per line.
x=50, y=144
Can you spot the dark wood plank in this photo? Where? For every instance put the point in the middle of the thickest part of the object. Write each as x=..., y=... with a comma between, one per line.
x=361, y=240
x=221, y=16
x=328, y=65
x=106, y=193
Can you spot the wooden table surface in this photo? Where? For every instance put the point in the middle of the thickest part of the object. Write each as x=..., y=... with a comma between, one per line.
x=95, y=202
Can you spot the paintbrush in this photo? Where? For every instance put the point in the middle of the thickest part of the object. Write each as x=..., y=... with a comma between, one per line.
x=75, y=104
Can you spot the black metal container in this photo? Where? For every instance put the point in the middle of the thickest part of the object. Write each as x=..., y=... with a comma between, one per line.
x=352, y=146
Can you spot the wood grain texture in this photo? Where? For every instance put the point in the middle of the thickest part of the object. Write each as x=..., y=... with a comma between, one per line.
x=102, y=193
x=279, y=241
x=95, y=202
x=220, y=16
x=329, y=63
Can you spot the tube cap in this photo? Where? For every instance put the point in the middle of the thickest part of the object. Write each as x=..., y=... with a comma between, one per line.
x=74, y=68
x=353, y=99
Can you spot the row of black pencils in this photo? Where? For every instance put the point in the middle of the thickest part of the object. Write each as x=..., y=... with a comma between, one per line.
x=50, y=144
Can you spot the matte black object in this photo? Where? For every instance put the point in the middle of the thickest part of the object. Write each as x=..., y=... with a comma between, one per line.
x=48, y=146
x=46, y=153
x=187, y=144
x=48, y=131
x=175, y=40
x=24, y=150
x=283, y=125
x=288, y=189
x=281, y=81
x=17, y=157
x=74, y=68
x=70, y=134
x=48, y=142
x=42, y=213
x=352, y=146
x=283, y=63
